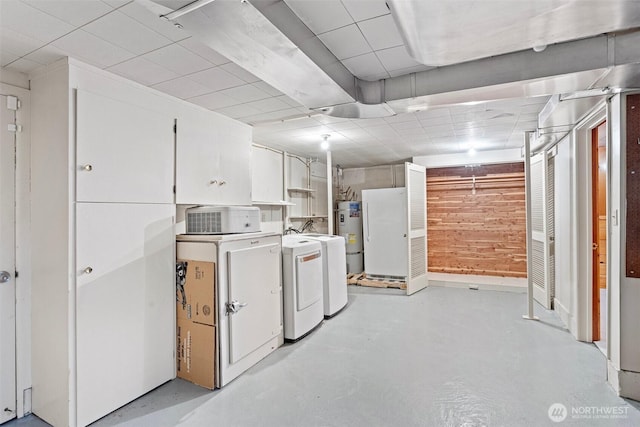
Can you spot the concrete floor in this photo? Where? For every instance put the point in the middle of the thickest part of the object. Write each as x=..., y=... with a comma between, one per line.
x=442, y=357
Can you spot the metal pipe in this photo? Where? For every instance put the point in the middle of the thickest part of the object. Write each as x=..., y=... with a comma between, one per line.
x=527, y=180
x=330, y=213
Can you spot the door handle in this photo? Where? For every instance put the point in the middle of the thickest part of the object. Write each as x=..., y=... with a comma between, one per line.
x=235, y=306
x=5, y=276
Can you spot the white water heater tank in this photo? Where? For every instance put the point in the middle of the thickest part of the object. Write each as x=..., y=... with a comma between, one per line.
x=350, y=227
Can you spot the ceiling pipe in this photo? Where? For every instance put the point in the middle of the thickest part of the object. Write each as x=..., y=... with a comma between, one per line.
x=267, y=39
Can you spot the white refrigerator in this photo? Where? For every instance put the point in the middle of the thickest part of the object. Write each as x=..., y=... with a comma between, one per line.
x=384, y=226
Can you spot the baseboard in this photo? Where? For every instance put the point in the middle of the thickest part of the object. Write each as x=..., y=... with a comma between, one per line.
x=625, y=383
x=485, y=283
x=566, y=317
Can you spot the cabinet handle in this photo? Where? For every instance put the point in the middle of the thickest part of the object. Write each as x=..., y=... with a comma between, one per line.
x=222, y=182
x=213, y=181
x=87, y=168
x=87, y=270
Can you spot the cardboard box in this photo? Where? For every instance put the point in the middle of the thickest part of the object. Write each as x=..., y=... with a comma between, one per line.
x=196, y=351
x=195, y=282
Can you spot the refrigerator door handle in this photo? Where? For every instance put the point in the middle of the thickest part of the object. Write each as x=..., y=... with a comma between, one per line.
x=367, y=221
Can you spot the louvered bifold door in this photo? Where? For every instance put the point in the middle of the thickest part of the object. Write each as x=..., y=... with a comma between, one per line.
x=416, y=185
x=542, y=289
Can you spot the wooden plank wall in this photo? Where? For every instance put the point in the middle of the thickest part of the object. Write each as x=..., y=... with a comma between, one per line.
x=477, y=228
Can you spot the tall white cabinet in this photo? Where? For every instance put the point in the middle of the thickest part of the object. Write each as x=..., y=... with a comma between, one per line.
x=103, y=293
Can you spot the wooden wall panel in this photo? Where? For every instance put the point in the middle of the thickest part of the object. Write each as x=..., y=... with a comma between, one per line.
x=477, y=228
x=633, y=187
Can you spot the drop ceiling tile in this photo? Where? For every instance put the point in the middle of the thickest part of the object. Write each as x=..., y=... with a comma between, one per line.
x=409, y=124
x=361, y=10
x=435, y=121
x=74, y=12
x=204, y=51
x=321, y=16
x=345, y=42
x=374, y=77
x=269, y=105
x=381, y=32
x=214, y=101
x=440, y=131
x=127, y=33
x=178, y=59
x=382, y=131
x=245, y=93
x=267, y=88
x=31, y=22
x=396, y=58
x=403, y=117
x=289, y=101
x=348, y=124
x=116, y=3
x=412, y=132
x=365, y=65
x=143, y=71
x=183, y=88
x=92, y=49
x=47, y=55
x=23, y=66
x=239, y=72
x=269, y=117
x=151, y=20
x=6, y=57
x=216, y=79
x=18, y=44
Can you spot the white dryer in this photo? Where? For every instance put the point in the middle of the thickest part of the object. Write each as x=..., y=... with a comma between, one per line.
x=334, y=272
x=302, y=290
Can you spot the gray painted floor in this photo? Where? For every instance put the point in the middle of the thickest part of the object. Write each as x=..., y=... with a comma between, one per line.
x=442, y=357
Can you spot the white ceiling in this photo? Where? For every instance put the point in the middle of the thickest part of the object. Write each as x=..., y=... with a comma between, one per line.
x=124, y=37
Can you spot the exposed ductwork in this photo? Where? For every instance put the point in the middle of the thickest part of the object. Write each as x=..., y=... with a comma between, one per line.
x=266, y=38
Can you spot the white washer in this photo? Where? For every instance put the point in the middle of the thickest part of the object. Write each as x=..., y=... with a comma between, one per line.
x=334, y=272
x=302, y=274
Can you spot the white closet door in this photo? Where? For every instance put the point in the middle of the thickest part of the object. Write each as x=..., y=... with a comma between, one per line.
x=254, y=283
x=7, y=265
x=213, y=161
x=125, y=303
x=125, y=153
x=416, y=184
x=542, y=229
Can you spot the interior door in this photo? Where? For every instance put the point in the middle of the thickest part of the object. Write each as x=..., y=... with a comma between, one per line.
x=7, y=264
x=125, y=303
x=254, y=288
x=416, y=185
x=125, y=153
x=542, y=228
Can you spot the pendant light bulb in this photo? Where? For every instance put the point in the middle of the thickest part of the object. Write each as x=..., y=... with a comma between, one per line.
x=325, y=144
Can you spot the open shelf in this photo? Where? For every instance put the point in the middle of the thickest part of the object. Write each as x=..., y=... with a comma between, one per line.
x=272, y=203
x=300, y=190
x=308, y=217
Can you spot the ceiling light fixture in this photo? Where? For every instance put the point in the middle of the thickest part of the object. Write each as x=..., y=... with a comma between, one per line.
x=539, y=48
x=472, y=151
x=325, y=144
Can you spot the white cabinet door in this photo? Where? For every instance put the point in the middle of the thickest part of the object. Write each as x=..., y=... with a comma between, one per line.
x=125, y=303
x=124, y=153
x=213, y=161
x=254, y=284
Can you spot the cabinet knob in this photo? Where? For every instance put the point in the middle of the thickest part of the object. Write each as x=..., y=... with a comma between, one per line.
x=222, y=182
x=87, y=168
x=87, y=270
x=213, y=181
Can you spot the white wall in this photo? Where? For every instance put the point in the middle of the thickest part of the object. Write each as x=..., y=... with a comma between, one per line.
x=359, y=179
x=17, y=84
x=481, y=157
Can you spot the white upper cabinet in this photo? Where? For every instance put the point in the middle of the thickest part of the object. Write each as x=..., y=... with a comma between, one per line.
x=267, y=169
x=213, y=161
x=124, y=153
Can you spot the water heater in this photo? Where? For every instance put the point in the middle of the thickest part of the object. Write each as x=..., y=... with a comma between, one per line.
x=350, y=227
